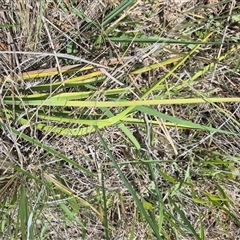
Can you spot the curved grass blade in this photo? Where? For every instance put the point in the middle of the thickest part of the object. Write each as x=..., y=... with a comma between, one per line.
x=47, y=148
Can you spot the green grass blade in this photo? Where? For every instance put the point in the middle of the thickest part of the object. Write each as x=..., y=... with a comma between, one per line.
x=70, y=215
x=151, y=223
x=189, y=226
x=177, y=121
x=23, y=212
x=105, y=213
x=124, y=5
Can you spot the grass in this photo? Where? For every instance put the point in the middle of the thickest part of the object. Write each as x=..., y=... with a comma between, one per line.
x=119, y=120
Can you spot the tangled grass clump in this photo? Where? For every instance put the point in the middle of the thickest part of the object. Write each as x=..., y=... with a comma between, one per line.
x=117, y=123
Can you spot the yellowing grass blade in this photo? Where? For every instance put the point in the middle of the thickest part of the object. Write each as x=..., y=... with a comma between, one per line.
x=124, y=113
x=97, y=104
x=155, y=66
x=70, y=193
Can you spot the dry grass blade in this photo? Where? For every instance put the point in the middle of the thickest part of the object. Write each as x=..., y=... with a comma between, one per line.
x=9, y=178
x=69, y=192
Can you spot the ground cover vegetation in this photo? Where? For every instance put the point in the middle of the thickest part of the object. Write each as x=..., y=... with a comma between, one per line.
x=119, y=119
